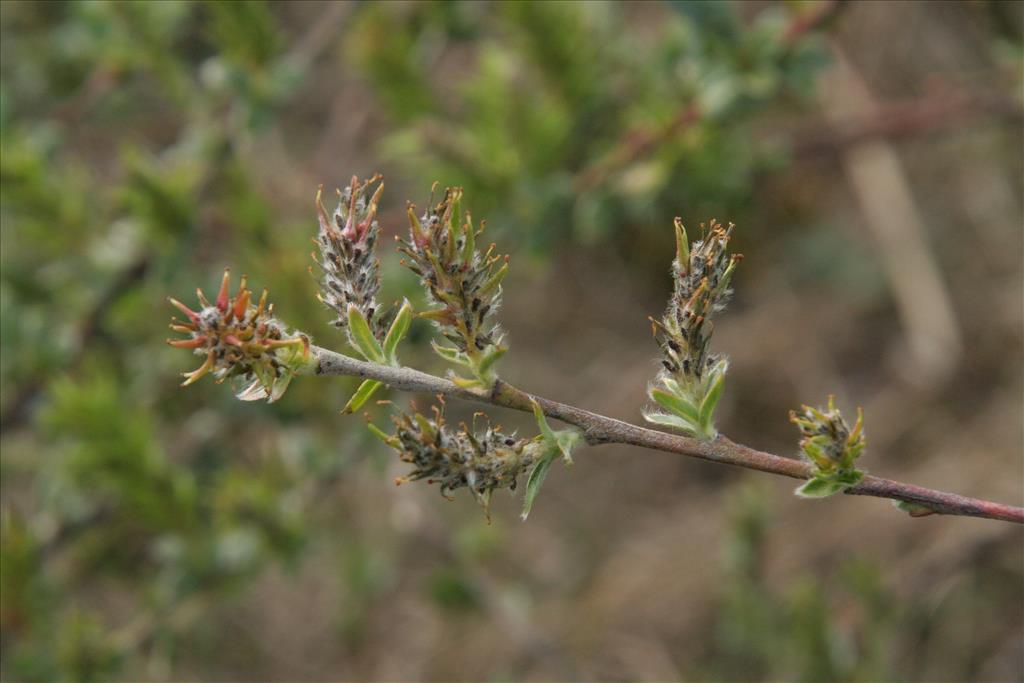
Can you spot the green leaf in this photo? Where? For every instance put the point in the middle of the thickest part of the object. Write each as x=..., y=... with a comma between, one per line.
x=280, y=386
x=265, y=375
x=492, y=283
x=537, y=476
x=466, y=383
x=456, y=215
x=813, y=450
x=723, y=282
x=850, y=477
x=542, y=425
x=362, y=395
x=379, y=433
x=563, y=441
x=424, y=424
x=820, y=487
x=672, y=386
x=674, y=421
x=707, y=406
x=914, y=509
x=468, y=244
x=682, y=245
x=449, y=354
x=361, y=337
x=490, y=357
x=442, y=315
x=397, y=332
x=853, y=452
x=568, y=440
x=675, y=404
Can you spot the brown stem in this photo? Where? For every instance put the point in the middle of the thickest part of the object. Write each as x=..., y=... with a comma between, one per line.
x=598, y=429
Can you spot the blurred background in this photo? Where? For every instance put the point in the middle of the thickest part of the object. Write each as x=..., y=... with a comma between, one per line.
x=871, y=156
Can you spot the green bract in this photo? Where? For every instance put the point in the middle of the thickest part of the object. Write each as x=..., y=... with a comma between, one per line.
x=463, y=285
x=831, y=446
x=692, y=378
x=553, y=444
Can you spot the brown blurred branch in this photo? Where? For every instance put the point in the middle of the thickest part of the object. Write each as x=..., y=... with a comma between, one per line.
x=599, y=429
x=896, y=120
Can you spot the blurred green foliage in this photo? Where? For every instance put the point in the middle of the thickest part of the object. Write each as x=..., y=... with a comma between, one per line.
x=563, y=127
x=130, y=169
x=839, y=623
x=798, y=635
x=123, y=179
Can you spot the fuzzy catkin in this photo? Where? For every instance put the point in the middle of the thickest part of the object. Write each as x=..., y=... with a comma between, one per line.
x=480, y=460
x=240, y=339
x=463, y=284
x=350, y=267
x=701, y=273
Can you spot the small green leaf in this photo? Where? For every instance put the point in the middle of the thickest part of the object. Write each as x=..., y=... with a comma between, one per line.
x=707, y=406
x=682, y=246
x=265, y=375
x=914, y=509
x=542, y=425
x=671, y=385
x=492, y=283
x=386, y=438
x=814, y=451
x=820, y=487
x=849, y=477
x=362, y=395
x=853, y=452
x=465, y=383
x=397, y=332
x=361, y=337
x=563, y=441
x=568, y=440
x=676, y=404
x=449, y=354
x=468, y=246
x=280, y=386
x=490, y=357
x=723, y=282
x=424, y=424
x=456, y=213
x=537, y=476
x=441, y=315
x=674, y=421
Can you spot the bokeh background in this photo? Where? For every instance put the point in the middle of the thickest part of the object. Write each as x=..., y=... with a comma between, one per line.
x=871, y=156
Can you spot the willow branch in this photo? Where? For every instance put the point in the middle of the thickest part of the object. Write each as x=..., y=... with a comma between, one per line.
x=599, y=429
